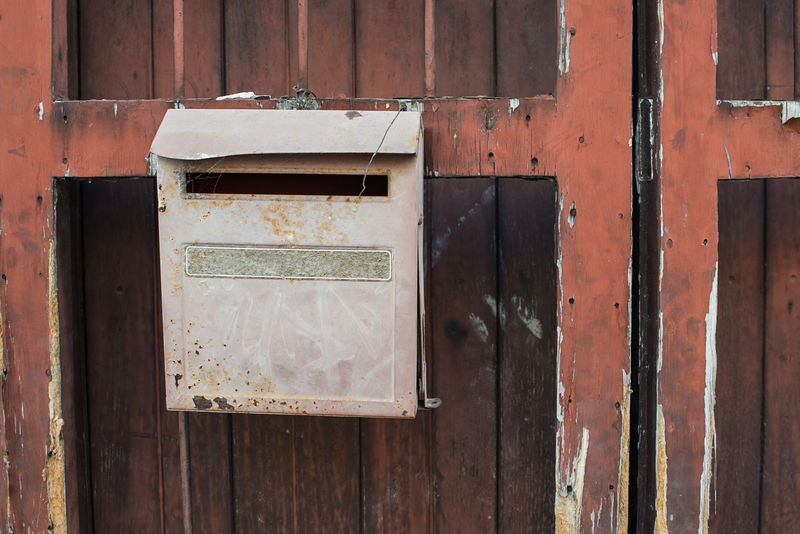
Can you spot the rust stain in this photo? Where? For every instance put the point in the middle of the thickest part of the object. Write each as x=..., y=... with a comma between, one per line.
x=201, y=403
x=54, y=471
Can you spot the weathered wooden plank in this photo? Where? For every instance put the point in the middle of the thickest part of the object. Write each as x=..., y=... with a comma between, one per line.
x=203, y=48
x=395, y=475
x=464, y=329
x=327, y=474
x=740, y=350
x=741, y=42
x=464, y=48
x=330, y=48
x=163, y=49
x=118, y=230
x=210, y=472
x=73, y=354
x=781, y=477
x=263, y=479
x=390, y=48
x=779, y=49
x=115, y=54
x=527, y=47
x=256, y=53
x=526, y=354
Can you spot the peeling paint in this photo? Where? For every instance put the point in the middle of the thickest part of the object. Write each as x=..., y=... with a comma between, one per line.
x=525, y=315
x=513, y=104
x=728, y=156
x=623, y=477
x=41, y=110
x=479, y=327
x=234, y=96
x=570, y=498
x=563, y=45
x=709, y=399
x=54, y=471
x=661, y=475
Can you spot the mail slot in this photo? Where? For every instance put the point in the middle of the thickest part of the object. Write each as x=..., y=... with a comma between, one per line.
x=289, y=252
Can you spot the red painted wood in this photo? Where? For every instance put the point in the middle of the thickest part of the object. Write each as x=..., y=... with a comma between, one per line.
x=210, y=472
x=527, y=47
x=390, y=49
x=118, y=227
x=464, y=56
x=203, y=48
x=327, y=474
x=464, y=329
x=263, y=473
x=330, y=48
x=527, y=366
x=256, y=54
x=163, y=51
x=781, y=477
x=741, y=72
x=115, y=55
x=740, y=351
x=779, y=49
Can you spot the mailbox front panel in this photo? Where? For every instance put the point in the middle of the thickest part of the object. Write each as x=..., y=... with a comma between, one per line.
x=299, y=303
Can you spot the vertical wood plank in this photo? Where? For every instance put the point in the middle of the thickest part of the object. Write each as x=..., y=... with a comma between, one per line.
x=464, y=330
x=118, y=234
x=262, y=473
x=65, y=49
x=780, y=49
x=390, y=48
x=741, y=68
x=115, y=49
x=163, y=56
x=73, y=355
x=740, y=349
x=395, y=474
x=203, y=42
x=256, y=47
x=527, y=47
x=330, y=45
x=327, y=477
x=527, y=354
x=210, y=472
x=464, y=48
x=781, y=477
x=396, y=456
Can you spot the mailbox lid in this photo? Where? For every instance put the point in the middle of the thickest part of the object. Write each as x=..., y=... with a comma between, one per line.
x=193, y=134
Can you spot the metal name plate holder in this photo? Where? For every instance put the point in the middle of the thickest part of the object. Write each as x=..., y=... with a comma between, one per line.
x=280, y=297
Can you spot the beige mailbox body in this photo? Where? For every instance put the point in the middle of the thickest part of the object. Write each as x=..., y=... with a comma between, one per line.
x=284, y=289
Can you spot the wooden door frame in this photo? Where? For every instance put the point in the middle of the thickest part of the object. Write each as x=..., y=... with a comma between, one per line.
x=700, y=142
x=582, y=136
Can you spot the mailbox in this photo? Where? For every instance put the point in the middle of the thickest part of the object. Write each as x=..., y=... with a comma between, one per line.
x=289, y=253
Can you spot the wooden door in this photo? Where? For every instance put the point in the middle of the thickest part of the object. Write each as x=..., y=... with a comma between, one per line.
x=527, y=115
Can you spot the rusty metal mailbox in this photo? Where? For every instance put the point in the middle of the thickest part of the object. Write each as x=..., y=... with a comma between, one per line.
x=290, y=245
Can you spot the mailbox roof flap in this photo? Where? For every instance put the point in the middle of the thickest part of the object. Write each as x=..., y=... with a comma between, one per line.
x=192, y=134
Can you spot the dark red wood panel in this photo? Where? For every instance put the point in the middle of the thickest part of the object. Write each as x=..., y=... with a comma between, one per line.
x=327, y=474
x=256, y=47
x=740, y=350
x=263, y=473
x=115, y=49
x=780, y=510
x=390, y=48
x=779, y=49
x=464, y=335
x=464, y=48
x=395, y=471
x=203, y=48
x=527, y=47
x=210, y=472
x=741, y=68
x=527, y=367
x=118, y=230
x=163, y=51
x=330, y=47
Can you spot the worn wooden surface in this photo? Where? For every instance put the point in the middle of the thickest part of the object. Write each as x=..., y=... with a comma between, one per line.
x=485, y=446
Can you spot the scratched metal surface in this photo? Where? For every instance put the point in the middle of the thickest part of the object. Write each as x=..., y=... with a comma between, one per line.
x=289, y=345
